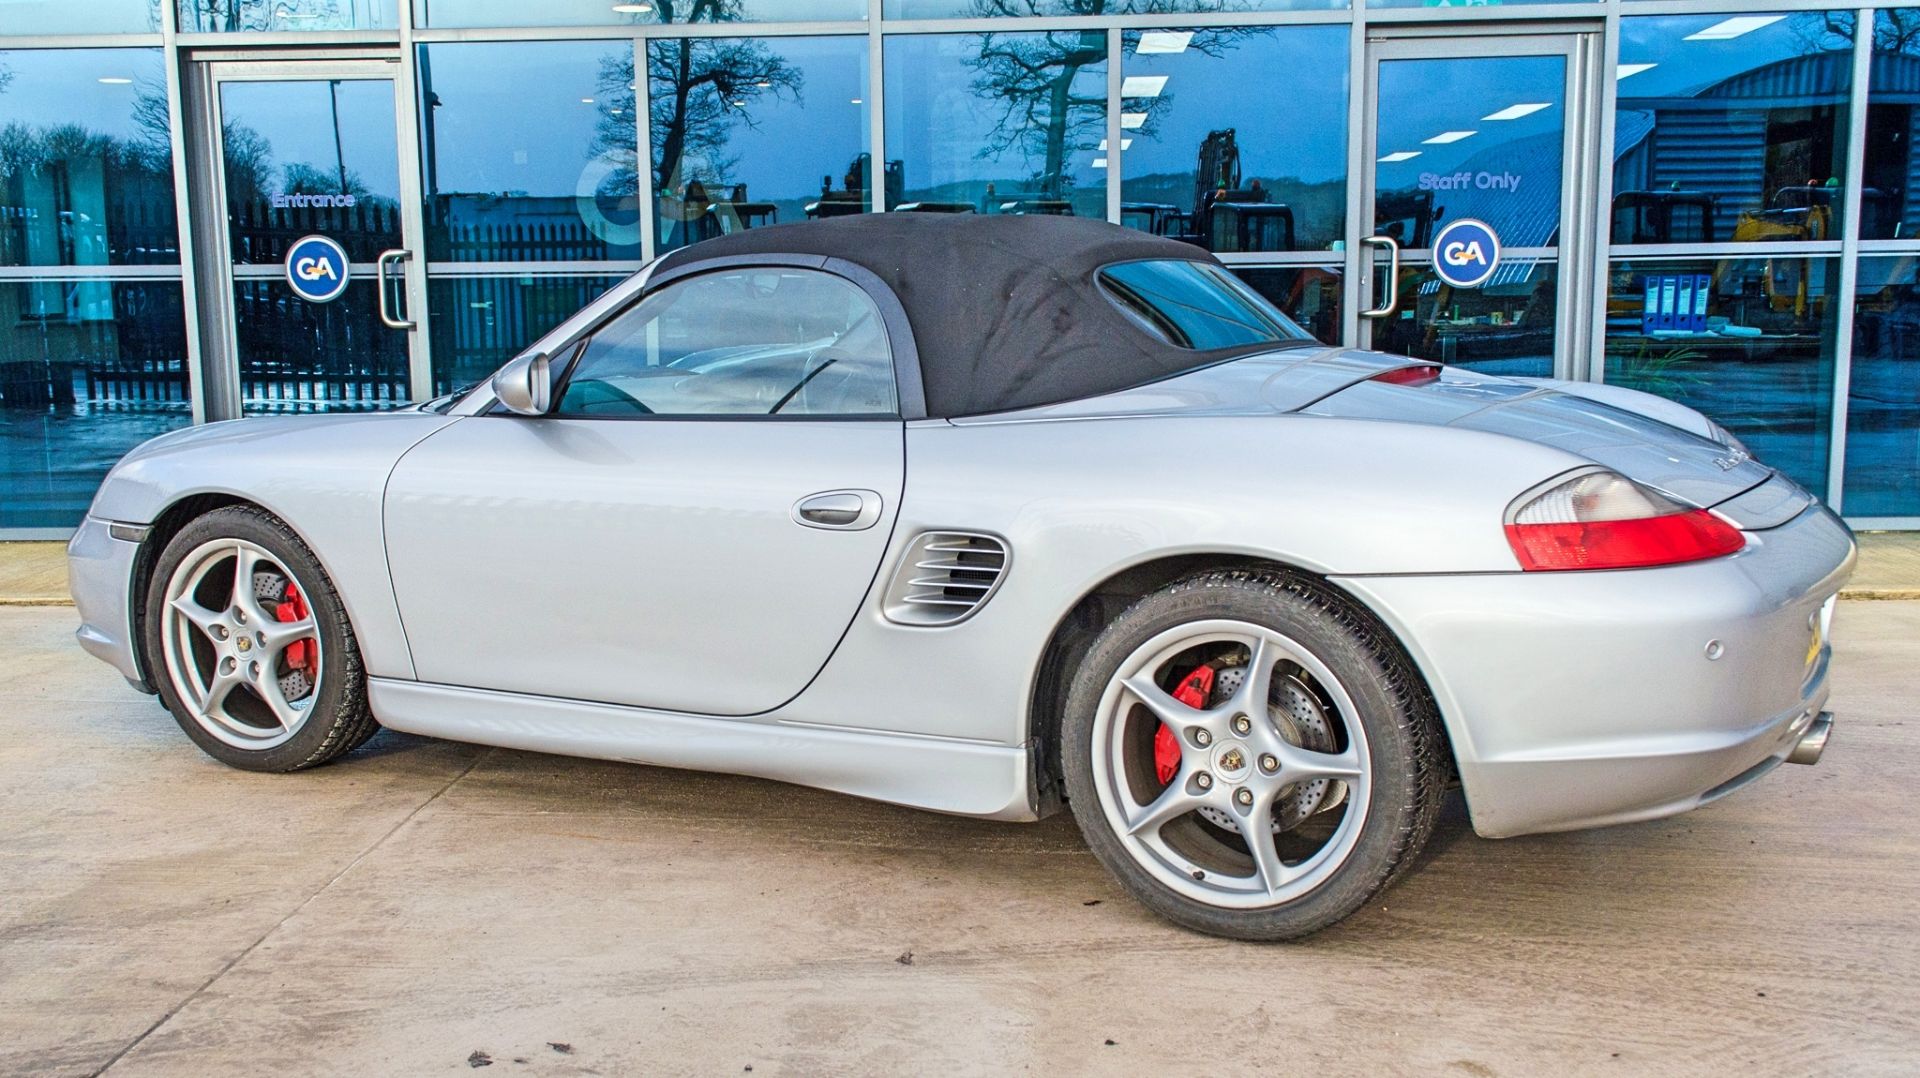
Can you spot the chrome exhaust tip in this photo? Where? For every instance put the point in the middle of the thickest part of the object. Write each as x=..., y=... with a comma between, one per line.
x=1814, y=741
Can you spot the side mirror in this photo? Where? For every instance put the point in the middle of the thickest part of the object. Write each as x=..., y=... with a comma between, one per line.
x=525, y=385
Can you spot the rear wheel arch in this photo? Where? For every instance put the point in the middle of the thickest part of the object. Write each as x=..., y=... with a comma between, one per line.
x=1076, y=631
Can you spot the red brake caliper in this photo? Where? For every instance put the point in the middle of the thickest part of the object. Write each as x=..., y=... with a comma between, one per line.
x=300, y=654
x=1193, y=692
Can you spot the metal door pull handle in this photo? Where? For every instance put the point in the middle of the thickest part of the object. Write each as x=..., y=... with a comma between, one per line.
x=397, y=254
x=840, y=510
x=1393, y=275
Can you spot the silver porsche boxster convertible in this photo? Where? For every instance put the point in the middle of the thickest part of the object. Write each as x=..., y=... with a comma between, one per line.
x=993, y=516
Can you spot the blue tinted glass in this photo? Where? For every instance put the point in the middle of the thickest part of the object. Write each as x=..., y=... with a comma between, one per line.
x=1883, y=393
x=1503, y=327
x=1479, y=137
x=1207, y=162
x=1014, y=9
x=750, y=132
x=88, y=370
x=1195, y=305
x=1890, y=206
x=972, y=124
x=306, y=156
x=297, y=356
x=1731, y=128
x=481, y=322
x=1310, y=295
x=234, y=16
x=1758, y=357
x=529, y=153
x=637, y=13
x=86, y=166
x=67, y=17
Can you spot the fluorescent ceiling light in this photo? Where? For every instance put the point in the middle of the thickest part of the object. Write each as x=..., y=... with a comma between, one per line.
x=586, y=101
x=1398, y=156
x=1164, y=41
x=1133, y=121
x=854, y=101
x=1142, y=85
x=633, y=9
x=1728, y=29
x=1124, y=143
x=1514, y=112
x=114, y=80
x=1445, y=137
x=1099, y=162
x=1629, y=70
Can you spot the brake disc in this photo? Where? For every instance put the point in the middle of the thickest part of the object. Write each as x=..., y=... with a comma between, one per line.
x=1299, y=717
x=271, y=589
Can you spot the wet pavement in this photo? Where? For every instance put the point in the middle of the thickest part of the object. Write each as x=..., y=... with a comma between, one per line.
x=427, y=907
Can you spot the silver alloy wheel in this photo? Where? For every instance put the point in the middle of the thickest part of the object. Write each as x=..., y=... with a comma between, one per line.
x=224, y=649
x=1222, y=774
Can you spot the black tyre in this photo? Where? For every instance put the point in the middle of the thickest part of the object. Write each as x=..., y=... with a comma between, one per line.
x=250, y=647
x=1251, y=754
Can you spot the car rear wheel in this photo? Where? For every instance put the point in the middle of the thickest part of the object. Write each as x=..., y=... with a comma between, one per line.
x=1251, y=754
x=254, y=654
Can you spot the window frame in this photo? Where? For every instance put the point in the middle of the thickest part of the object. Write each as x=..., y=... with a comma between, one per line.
x=909, y=396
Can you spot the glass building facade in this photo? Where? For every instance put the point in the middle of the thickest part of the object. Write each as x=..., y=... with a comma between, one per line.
x=1714, y=201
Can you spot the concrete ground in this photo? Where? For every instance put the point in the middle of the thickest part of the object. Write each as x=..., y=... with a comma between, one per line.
x=425, y=907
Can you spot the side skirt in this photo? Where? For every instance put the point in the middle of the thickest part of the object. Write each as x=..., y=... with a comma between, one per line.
x=966, y=778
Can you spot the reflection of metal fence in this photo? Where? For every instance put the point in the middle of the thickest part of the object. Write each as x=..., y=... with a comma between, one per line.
x=481, y=322
x=262, y=232
x=91, y=342
x=301, y=356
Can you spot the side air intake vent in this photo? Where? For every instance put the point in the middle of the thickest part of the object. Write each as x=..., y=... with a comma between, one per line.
x=945, y=577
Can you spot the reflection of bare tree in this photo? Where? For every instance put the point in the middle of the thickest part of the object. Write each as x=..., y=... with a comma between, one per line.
x=1897, y=30
x=698, y=89
x=1824, y=31
x=1032, y=76
x=229, y=16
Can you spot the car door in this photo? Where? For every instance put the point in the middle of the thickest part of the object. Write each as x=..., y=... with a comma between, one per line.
x=694, y=524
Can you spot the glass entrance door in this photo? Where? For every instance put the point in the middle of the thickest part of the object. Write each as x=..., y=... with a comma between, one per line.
x=1469, y=199
x=313, y=293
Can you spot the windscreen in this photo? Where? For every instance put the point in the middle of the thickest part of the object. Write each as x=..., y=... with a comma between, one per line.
x=1195, y=305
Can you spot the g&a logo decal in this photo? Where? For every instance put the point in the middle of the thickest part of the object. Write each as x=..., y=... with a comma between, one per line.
x=317, y=269
x=1465, y=253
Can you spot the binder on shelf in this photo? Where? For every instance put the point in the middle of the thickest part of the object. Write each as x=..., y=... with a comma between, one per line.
x=1683, y=306
x=1649, y=303
x=1669, y=301
x=1702, y=288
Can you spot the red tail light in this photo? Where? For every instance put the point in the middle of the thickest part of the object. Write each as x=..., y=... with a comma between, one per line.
x=1599, y=520
x=1408, y=376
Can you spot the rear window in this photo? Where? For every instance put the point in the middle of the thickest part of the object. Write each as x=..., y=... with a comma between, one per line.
x=1195, y=305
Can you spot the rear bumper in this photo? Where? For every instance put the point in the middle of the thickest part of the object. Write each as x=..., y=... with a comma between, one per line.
x=100, y=577
x=1581, y=699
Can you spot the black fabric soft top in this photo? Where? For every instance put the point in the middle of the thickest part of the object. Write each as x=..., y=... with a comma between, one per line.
x=1005, y=310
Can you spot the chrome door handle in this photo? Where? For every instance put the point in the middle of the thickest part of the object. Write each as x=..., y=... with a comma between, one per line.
x=1393, y=275
x=397, y=254
x=839, y=510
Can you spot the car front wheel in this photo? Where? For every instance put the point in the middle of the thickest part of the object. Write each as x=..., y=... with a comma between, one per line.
x=1251, y=754
x=251, y=647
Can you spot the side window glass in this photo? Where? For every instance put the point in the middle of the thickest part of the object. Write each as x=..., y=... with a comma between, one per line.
x=747, y=342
